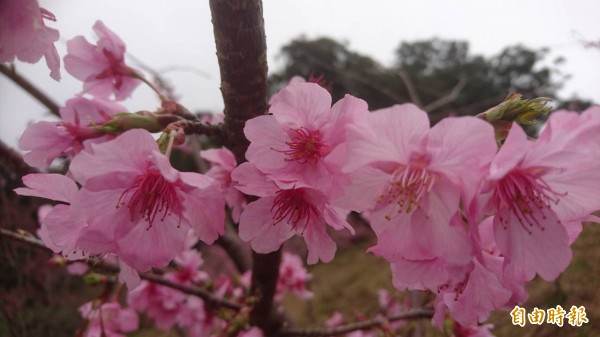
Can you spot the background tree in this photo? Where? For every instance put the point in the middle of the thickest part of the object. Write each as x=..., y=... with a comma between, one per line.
x=441, y=76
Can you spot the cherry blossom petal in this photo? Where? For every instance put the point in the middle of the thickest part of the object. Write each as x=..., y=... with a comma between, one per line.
x=50, y=186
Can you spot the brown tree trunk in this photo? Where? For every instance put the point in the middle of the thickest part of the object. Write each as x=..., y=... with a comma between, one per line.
x=241, y=51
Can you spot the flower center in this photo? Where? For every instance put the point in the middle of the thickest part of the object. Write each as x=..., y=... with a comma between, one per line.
x=292, y=207
x=407, y=186
x=116, y=70
x=150, y=195
x=304, y=146
x=527, y=196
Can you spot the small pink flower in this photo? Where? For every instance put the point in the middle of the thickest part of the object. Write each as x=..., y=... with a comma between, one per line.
x=59, y=227
x=473, y=331
x=139, y=207
x=480, y=287
x=46, y=141
x=479, y=292
x=108, y=319
x=304, y=138
x=541, y=191
x=24, y=35
x=252, y=332
x=283, y=211
x=412, y=179
x=101, y=67
x=293, y=278
x=188, y=271
x=223, y=162
x=161, y=304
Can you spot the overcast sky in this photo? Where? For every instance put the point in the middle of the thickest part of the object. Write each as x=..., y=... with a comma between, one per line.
x=178, y=33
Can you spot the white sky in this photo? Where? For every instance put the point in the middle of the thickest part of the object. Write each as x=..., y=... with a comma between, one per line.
x=167, y=33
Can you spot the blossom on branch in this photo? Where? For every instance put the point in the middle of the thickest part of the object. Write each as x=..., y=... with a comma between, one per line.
x=46, y=141
x=304, y=138
x=411, y=179
x=541, y=191
x=137, y=206
x=102, y=66
x=284, y=210
x=108, y=319
x=25, y=36
x=223, y=162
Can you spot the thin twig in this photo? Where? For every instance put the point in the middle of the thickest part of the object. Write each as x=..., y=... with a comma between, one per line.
x=208, y=297
x=30, y=88
x=450, y=97
x=13, y=161
x=357, y=77
x=410, y=87
x=197, y=128
x=378, y=321
x=231, y=243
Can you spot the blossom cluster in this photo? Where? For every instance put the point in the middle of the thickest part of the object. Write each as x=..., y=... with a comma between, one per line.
x=452, y=212
x=168, y=307
x=455, y=210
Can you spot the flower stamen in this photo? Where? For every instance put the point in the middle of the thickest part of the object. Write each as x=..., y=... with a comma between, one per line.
x=150, y=195
x=304, y=146
x=408, y=185
x=291, y=206
x=528, y=197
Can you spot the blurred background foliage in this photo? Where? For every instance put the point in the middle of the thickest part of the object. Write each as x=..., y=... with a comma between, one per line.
x=440, y=76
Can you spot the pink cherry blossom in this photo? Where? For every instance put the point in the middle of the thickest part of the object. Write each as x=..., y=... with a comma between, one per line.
x=580, y=131
x=161, y=304
x=285, y=210
x=412, y=179
x=139, y=207
x=252, y=332
x=25, y=36
x=46, y=141
x=102, y=66
x=304, y=138
x=188, y=272
x=168, y=307
x=223, y=162
x=108, y=319
x=479, y=292
x=59, y=228
x=473, y=331
x=541, y=191
x=293, y=278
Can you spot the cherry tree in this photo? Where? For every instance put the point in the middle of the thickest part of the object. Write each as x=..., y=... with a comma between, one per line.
x=470, y=209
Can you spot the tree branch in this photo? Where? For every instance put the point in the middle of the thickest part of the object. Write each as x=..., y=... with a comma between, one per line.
x=364, y=325
x=231, y=243
x=12, y=160
x=197, y=127
x=208, y=297
x=450, y=97
x=241, y=52
x=357, y=77
x=30, y=88
x=410, y=87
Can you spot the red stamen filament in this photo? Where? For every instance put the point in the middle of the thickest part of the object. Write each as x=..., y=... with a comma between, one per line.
x=116, y=70
x=407, y=186
x=149, y=196
x=524, y=194
x=304, y=146
x=291, y=206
